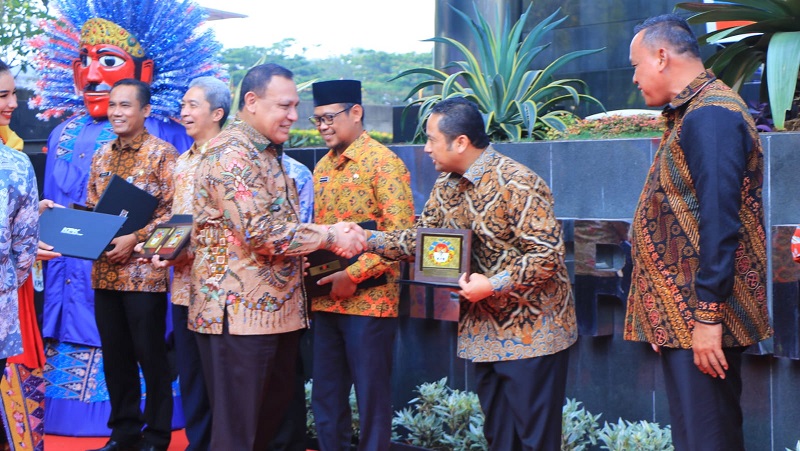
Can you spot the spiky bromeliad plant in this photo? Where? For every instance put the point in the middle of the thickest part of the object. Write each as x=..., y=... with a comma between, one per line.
x=516, y=101
x=773, y=38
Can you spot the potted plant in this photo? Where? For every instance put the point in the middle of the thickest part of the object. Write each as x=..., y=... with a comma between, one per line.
x=517, y=101
x=579, y=428
x=440, y=418
x=770, y=35
x=635, y=436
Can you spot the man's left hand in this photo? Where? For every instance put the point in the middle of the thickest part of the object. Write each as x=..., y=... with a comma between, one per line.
x=475, y=287
x=123, y=247
x=707, y=347
x=343, y=287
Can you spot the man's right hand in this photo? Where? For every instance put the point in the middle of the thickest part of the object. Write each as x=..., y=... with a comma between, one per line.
x=707, y=346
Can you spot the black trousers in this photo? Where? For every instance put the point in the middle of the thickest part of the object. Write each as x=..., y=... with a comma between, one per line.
x=291, y=435
x=250, y=381
x=132, y=325
x=194, y=396
x=522, y=400
x=350, y=349
x=704, y=411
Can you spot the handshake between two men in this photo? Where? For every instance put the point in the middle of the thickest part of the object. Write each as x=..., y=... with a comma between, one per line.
x=345, y=239
x=348, y=239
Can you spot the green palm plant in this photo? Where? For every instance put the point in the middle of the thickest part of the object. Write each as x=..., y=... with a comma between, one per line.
x=773, y=39
x=516, y=100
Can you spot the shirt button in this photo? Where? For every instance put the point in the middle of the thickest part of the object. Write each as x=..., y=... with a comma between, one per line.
x=69, y=281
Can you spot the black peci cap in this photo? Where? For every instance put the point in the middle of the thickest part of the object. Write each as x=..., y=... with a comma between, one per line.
x=336, y=91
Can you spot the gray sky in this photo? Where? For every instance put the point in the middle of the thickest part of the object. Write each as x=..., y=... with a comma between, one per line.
x=327, y=27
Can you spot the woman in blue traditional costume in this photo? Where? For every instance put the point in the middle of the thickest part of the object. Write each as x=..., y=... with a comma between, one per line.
x=22, y=384
x=91, y=45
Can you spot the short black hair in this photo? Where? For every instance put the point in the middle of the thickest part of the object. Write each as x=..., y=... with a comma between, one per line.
x=461, y=117
x=4, y=67
x=258, y=77
x=142, y=90
x=669, y=29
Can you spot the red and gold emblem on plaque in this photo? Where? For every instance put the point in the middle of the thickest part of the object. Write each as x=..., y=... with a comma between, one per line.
x=441, y=253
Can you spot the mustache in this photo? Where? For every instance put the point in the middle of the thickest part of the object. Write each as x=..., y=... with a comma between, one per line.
x=96, y=87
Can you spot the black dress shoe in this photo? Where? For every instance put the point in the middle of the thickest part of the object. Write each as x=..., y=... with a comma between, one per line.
x=116, y=446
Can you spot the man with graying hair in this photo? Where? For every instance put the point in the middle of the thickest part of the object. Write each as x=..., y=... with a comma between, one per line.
x=698, y=287
x=204, y=108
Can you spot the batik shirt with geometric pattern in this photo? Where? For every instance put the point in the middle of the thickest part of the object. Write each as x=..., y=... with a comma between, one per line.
x=367, y=182
x=148, y=163
x=697, y=236
x=517, y=243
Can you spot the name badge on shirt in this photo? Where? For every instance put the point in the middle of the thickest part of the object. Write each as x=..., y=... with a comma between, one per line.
x=38, y=277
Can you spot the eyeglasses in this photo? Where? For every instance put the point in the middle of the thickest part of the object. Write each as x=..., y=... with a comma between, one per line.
x=326, y=119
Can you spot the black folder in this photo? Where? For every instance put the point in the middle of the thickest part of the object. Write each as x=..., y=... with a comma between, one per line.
x=323, y=263
x=124, y=199
x=78, y=233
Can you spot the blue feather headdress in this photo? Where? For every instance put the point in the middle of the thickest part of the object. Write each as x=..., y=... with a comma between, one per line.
x=167, y=30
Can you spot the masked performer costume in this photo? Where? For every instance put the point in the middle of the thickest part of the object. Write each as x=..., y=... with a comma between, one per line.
x=91, y=45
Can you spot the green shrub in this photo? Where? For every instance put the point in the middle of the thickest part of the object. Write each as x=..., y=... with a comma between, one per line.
x=614, y=126
x=311, y=138
x=381, y=137
x=311, y=430
x=578, y=427
x=441, y=418
x=639, y=436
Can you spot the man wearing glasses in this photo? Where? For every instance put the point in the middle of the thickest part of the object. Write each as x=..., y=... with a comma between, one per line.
x=354, y=328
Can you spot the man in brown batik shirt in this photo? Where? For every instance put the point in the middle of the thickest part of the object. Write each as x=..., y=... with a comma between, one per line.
x=517, y=318
x=130, y=297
